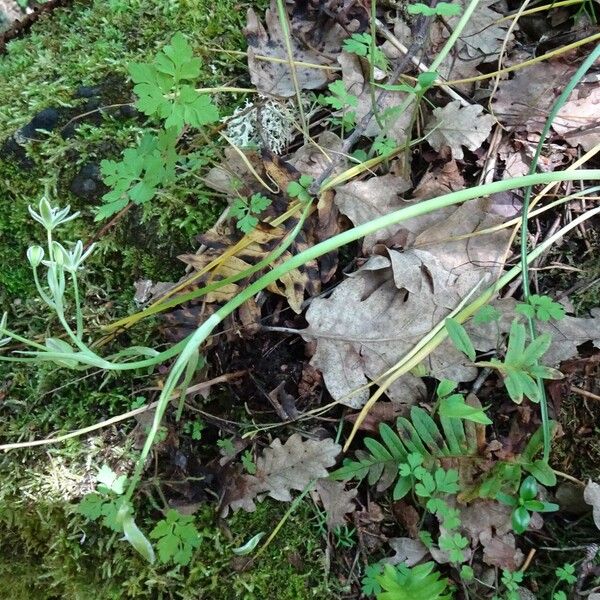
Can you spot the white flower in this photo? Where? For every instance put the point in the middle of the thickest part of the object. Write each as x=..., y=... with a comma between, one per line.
x=51, y=217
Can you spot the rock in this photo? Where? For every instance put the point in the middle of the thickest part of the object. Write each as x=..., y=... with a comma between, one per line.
x=87, y=184
x=46, y=119
x=87, y=91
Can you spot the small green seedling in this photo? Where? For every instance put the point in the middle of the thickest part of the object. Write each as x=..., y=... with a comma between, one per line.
x=245, y=210
x=177, y=538
x=542, y=308
x=361, y=44
x=442, y=9
x=453, y=406
x=525, y=504
x=299, y=189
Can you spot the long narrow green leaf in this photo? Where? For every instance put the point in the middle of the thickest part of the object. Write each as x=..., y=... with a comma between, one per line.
x=393, y=442
x=453, y=429
x=378, y=450
x=410, y=438
x=536, y=349
x=428, y=431
x=459, y=336
x=516, y=343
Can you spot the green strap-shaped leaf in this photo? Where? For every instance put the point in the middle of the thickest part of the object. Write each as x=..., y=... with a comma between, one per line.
x=428, y=431
x=410, y=438
x=460, y=338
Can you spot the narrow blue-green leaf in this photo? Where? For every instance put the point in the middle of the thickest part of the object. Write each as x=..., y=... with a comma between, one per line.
x=249, y=545
x=459, y=336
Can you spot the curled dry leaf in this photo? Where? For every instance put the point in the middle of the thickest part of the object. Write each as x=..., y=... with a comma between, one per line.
x=337, y=501
x=591, y=495
x=456, y=126
x=274, y=78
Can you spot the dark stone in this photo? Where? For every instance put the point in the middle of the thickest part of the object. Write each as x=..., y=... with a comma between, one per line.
x=46, y=119
x=87, y=91
x=129, y=111
x=87, y=184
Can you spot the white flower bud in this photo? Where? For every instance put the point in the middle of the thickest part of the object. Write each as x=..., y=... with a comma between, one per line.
x=35, y=254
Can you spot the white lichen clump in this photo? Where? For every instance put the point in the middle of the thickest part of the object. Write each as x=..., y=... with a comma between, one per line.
x=265, y=122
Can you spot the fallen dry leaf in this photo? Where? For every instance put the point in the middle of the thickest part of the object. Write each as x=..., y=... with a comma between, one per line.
x=274, y=78
x=456, y=126
x=293, y=465
x=372, y=319
x=357, y=84
x=480, y=41
x=578, y=121
x=591, y=495
x=408, y=551
x=500, y=551
x=524, y=101
x=337, y=501
x=362, y=201
x=280, y=469
x=439, y=181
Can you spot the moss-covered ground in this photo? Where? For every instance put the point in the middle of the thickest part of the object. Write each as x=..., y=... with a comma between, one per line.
x=70, y=64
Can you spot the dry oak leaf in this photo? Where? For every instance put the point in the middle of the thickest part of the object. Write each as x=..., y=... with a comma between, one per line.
x=293, y=465
x=480, y=41
x=274, y=78
x=368, y=324
x=357, y=84
x=456, y=126
x=337, y=501
x=578, y=121
x=409, y=552
x=524, y=101
x=362, y=201
x=591, y=495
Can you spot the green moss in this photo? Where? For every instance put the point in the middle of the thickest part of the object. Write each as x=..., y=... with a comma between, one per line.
x=56, y=555
x=91, y=44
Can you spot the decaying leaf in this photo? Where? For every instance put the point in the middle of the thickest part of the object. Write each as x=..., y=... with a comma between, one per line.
x=356, y=82
x=337, y=501
x=280, y=469
x=500, y=551
x=274, y=78
x=488, y=523
x=591, y=495
x=479, y=42
x=578, y=121
x=371, y=320
x=456, y=126
x=439, y=181
x=362, y=201
x=293, y=465
x=408, y=551
x=524, y=101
